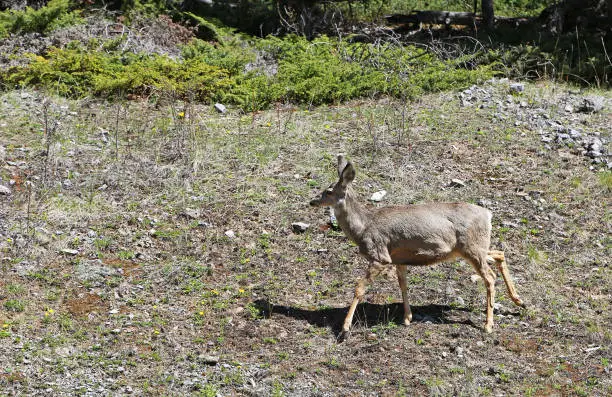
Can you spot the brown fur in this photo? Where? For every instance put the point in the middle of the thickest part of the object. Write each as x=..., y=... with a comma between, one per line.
x=415, y=235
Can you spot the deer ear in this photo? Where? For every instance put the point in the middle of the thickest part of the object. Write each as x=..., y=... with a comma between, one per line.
x=341, y=164
x=347, y=175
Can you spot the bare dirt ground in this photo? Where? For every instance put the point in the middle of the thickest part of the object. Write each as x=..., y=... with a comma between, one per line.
x=147, y=248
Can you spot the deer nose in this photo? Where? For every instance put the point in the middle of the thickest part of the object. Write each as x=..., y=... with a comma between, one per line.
x=315, y=202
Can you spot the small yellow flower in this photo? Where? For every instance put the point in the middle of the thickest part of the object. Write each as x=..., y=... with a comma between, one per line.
x=214, y=291
x=156, y=332
x=268, y=124
x=5, y=325
x=241, y=290
x=49, y=312
x=327, y=126
x=154, y=306
x=201, y=313
x=181, y=114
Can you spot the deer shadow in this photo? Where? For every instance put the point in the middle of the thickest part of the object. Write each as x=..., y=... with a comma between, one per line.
x=369, y=314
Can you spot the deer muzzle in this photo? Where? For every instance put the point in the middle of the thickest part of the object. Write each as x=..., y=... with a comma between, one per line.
x=315, y=202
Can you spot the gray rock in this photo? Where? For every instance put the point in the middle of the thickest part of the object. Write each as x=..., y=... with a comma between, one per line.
x=191, y=213
x=546, y=138
x=563, y=137
x=594, y=147
x=299, y=227
x=484, y=203
x=43, y=237
x=2, y=153
x=517, y=87
x=93, y=271
x=555, y=126
x=5, y=190
x=69, y=251
x=574, y=134
x=220, y=108
x=591, y=104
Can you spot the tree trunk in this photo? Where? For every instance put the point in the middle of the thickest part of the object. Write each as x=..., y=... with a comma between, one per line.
x=487, y=13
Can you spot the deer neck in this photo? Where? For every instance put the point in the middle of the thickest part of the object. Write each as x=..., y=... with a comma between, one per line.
x=352, y=216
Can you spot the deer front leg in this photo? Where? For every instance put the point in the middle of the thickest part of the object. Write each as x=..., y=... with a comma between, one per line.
x=401, y=278
x=488, y=276
x=373, y=270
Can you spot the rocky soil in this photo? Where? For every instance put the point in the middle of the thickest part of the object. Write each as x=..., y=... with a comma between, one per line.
x=169, y=249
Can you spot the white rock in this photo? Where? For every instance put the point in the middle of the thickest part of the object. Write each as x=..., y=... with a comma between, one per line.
x=300, y=227
x=220, y=108
x=457, y=183
x=5, y=190
x=69, y=251
x=209, y=359
x=230, y=233
x=474, y=278
x=378, y=196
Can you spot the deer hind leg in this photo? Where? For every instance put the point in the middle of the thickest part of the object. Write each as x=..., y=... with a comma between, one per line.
x=488, y=276
x=401, y=278
x=374, y=270
x=500, y=261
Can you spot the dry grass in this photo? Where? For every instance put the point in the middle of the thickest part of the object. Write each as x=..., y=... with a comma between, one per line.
x=158, y=289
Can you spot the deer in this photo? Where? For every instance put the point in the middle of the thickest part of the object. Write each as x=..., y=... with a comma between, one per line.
x=414, y=235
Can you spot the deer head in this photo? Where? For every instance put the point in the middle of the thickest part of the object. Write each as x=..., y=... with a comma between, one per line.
x=336, y=191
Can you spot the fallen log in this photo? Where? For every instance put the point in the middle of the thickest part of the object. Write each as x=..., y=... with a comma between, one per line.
x=435, y=17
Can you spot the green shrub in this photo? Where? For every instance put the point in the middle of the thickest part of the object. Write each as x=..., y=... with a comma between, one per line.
x=56, y=14
x=326, y=70
x=77, y=72
x=231, y=56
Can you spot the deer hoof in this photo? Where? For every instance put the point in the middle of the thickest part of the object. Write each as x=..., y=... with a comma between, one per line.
x=344, y=334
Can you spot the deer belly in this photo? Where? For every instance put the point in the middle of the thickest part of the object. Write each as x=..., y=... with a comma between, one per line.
x=419, y=256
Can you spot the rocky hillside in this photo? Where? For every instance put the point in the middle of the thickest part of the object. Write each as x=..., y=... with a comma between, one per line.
x=147, y=248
